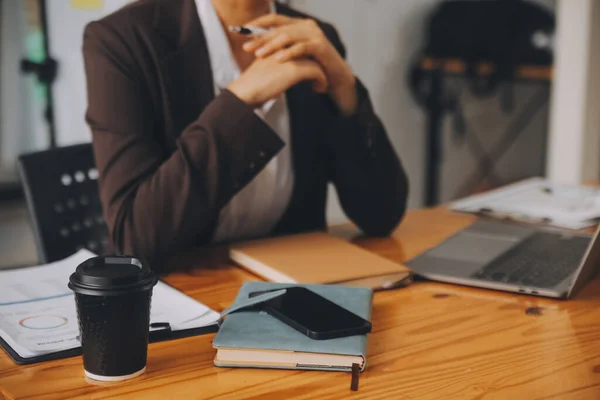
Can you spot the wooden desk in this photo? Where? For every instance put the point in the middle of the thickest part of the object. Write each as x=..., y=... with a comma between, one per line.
x=430, y=341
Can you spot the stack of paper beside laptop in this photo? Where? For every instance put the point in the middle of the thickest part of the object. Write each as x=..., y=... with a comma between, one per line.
x=537, y=200
x=38, y=314
x=254, y=339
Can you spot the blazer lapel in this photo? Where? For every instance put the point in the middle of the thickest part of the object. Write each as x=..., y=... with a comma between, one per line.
x=307, y=139
x=185, y=63
x=304, y=108
x=303, y=131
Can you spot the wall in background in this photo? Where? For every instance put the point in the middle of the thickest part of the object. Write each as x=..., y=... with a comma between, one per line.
x=12, y=88
x=66, y=24
x=22, y=127
x=575, y=124
x=22, y=99
x=382, y=37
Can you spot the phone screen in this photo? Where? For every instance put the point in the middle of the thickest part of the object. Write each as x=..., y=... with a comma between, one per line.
x=315, y=312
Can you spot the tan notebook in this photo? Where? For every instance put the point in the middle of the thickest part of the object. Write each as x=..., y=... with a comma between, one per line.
x=320, y=259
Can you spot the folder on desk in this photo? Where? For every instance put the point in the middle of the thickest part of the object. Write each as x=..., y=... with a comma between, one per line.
x=253, y=339
x=38, y=318
x=318, y=258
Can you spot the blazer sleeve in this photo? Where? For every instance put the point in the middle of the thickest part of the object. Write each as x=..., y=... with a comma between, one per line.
x=155, y=202
x=369, y=178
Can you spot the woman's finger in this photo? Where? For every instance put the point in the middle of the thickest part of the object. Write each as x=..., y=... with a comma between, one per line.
x=319, y=87
x=281, y=41
x=278, y=38
x=299, y=50
x=271, y=20
x=252, y=45
x=320, y=83
x=309, y=70
x=257, y=41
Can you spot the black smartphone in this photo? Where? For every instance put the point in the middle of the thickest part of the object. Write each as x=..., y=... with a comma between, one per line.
x=314, y=315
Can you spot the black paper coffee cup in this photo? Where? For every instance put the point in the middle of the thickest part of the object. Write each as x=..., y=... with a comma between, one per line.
x=113, y=297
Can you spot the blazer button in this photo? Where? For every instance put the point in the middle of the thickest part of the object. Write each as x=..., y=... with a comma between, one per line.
x=262, y=154
x=251, y=166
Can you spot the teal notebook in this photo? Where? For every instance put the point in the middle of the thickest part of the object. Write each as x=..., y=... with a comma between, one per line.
x=254, y=339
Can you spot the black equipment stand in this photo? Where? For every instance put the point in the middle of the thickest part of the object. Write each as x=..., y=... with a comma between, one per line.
x=437, y=70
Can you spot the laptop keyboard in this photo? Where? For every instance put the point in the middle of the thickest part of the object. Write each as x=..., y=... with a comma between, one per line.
x=543, y=260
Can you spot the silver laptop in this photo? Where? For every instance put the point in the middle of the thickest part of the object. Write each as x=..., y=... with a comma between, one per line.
x=513, y=258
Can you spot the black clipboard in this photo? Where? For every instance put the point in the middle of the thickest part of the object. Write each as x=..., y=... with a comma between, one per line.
x=155, y=337
x=162, y=335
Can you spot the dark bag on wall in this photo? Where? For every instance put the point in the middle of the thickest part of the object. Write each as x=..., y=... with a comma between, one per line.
x=506, y=33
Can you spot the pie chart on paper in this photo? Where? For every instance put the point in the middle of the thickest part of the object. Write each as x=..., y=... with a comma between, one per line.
x=43, y=322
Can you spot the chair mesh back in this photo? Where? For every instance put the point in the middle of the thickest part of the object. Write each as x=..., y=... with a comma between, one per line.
x=61, y=187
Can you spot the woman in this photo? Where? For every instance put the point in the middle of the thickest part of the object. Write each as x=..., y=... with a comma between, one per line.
x=202, y=135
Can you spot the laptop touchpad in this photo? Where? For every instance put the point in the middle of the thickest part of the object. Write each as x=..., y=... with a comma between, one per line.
x=474, y=247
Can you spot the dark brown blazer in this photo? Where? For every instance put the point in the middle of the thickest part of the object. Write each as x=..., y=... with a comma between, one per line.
x=171, y=154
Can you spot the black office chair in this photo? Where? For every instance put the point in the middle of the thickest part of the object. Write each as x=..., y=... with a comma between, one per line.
x=61, y=188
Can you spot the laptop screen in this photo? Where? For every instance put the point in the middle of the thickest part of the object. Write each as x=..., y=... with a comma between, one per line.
x=589, y=266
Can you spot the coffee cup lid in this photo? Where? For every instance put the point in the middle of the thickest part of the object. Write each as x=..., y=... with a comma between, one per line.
x=111, y=275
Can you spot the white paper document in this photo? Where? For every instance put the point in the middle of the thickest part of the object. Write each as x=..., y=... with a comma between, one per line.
x=538, y=200
x=38, y=314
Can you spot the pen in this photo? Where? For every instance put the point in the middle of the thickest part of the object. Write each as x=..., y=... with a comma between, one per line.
x=248, y=30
